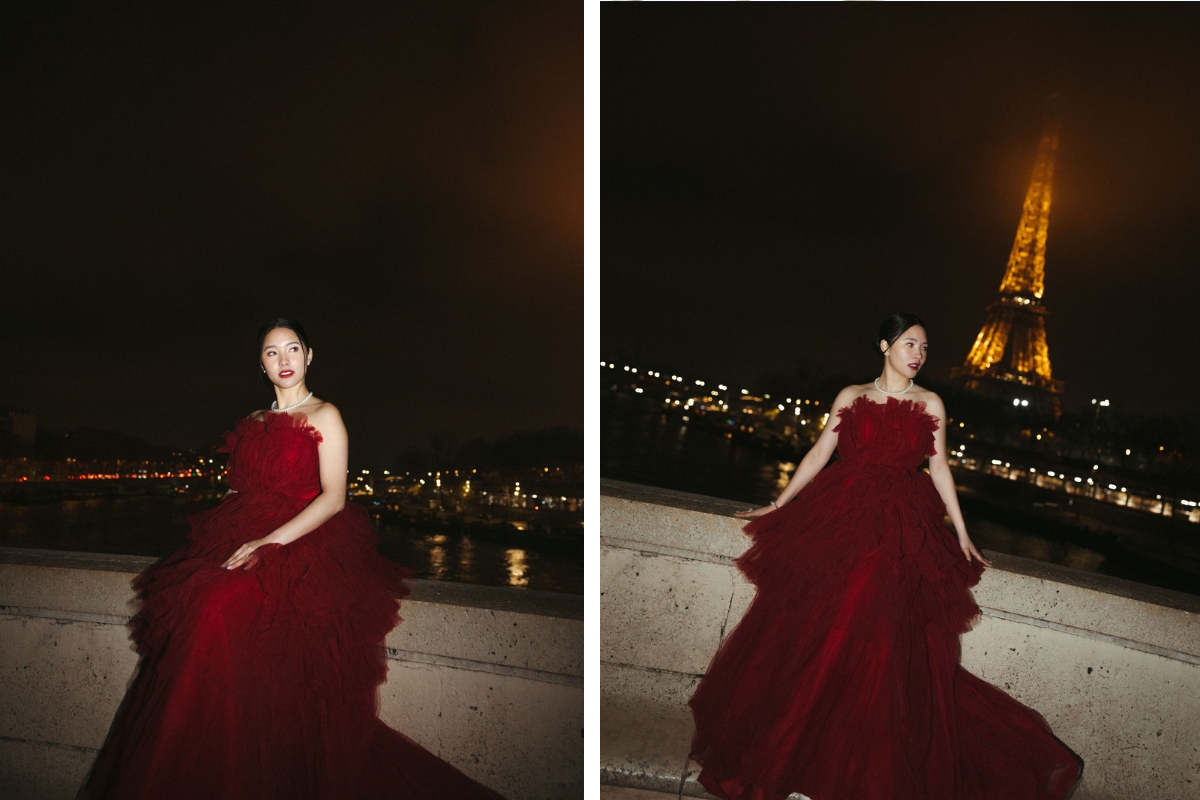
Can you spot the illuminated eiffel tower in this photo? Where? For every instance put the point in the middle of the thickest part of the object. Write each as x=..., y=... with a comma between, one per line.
x=1010, y=357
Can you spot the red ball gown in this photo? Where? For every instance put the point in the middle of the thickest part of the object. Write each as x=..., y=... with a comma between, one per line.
x=841, y=681
x=263, y=682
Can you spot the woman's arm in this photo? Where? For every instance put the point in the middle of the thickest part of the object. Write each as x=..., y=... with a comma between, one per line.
x=943, y=481
x=814, y=460
x=334, y=456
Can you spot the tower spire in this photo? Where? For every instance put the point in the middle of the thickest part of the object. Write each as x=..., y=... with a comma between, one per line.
x=1010, y=355
x=1026, y=273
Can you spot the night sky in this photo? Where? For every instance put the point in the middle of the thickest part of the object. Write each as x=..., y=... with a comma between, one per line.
x=407, y=179
x=776, y=179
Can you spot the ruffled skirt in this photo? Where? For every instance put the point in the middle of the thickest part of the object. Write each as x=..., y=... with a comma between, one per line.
x=842, y=679
x=262, y=682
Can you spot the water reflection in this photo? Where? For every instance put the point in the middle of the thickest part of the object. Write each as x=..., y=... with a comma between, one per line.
x=514, y=558
x=785, y=470
x=466, y=560
x=437, y=556
x=157, y=526
x=516, y=567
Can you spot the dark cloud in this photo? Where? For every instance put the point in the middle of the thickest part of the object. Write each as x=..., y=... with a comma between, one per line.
x=777, y=178
x=405, y=179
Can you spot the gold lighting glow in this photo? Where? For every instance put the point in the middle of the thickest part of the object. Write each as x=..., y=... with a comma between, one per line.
x=1011, y=348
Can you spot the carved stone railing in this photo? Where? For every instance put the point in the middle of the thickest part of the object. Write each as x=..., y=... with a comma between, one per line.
x=489, y=679
x=1114, y=666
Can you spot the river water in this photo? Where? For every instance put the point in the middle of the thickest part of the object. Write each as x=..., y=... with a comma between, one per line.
x=156, y=525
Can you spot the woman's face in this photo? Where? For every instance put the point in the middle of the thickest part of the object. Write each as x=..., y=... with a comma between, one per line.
x=284, y=358
x=907, y=354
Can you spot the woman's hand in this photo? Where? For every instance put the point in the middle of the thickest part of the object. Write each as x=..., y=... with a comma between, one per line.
x=754, y=512
x=242, y=555
x=969, y=550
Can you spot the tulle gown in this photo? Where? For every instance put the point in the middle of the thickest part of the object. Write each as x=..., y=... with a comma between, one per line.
x=842, y=680
x=262, y=682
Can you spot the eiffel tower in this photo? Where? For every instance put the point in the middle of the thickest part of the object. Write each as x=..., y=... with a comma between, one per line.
x=1010, y=357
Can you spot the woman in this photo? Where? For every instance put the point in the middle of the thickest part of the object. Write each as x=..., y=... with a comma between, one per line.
x=842, y=679
x=263, y=636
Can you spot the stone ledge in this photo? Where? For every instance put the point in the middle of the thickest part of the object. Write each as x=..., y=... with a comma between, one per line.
x=524, y=601
x=685, y=501
x=540, y=633
x=1111, y=665
x=490, y=679
x=683, y=525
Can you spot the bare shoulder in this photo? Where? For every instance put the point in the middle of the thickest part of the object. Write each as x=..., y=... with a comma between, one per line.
x=257, y=415
x=851, y=393
x=933, y=403
x=325, y=417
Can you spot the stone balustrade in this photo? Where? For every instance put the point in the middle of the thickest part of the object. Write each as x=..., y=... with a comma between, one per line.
x=1114, y=666
x=489, y=679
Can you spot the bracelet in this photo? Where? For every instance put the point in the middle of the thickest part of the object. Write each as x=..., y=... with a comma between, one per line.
x=774, y=506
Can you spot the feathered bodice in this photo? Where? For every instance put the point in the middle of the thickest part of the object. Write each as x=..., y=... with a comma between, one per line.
x=277, y=455
x=898, y=433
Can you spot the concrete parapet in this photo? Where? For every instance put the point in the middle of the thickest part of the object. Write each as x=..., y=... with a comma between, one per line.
x=489, y=679
x=1114, y=666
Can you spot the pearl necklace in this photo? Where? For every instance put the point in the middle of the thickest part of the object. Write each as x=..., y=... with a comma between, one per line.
x=302, y=402
x=885, y=391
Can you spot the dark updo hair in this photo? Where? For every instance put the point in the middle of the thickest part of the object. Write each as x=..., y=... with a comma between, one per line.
x=270, y=325
x=892, y=327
